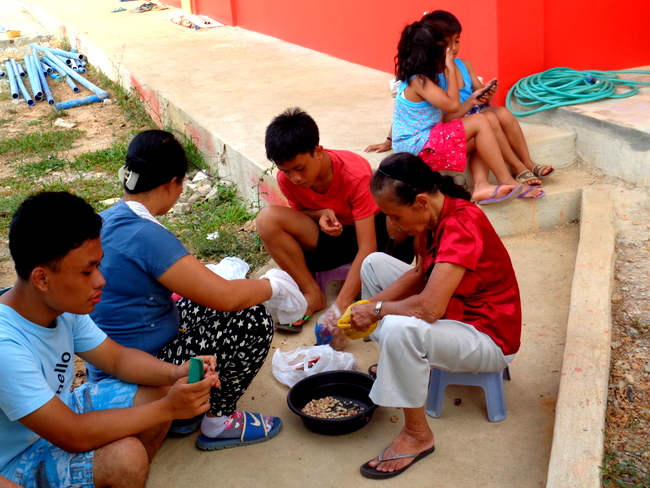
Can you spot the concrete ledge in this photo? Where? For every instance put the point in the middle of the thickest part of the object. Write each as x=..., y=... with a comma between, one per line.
x=578, y=437
x=557, y=207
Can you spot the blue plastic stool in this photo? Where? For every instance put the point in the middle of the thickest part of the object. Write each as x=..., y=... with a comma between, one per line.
x=324, y=277
x=492, y=384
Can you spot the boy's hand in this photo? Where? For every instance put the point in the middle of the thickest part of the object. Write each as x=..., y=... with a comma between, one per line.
x=209, y=367
x=329, y=223
x=186, y=400
x=379, y=148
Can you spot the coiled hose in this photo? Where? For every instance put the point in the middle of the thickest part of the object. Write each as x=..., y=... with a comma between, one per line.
x=558, y=87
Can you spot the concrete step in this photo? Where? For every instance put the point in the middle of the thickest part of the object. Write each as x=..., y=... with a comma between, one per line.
x=550, y=145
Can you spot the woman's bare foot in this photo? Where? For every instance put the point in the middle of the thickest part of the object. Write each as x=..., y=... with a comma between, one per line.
x=533, y=193
x=539, y=170
x=487, y=192
x=405, y=443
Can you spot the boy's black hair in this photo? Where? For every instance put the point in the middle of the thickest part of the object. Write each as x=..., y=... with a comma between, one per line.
x=157, y=157
x=446, y=21
x=46, y=227
x=291, y=133
x=420, y=51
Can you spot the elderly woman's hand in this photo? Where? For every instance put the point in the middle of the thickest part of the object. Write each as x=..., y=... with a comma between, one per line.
x=362, y=316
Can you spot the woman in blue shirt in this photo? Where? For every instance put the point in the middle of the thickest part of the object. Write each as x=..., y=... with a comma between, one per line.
x=144, y=264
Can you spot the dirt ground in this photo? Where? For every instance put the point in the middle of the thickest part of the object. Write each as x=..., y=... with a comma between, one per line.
x=102, y=123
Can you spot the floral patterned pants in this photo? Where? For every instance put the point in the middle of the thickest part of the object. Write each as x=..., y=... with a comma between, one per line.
x=239, y=340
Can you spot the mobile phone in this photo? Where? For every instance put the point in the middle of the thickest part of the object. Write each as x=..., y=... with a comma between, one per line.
x=487, y=88
x=196, y=370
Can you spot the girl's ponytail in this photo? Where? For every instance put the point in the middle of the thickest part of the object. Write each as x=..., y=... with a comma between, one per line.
x=420, y=51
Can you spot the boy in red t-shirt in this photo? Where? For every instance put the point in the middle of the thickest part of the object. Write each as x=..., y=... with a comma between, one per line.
x=332, y=219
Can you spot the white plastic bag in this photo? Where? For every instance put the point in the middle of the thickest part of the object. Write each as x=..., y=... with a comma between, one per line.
x=287, y=301
x=230, y=268
x=292, y=366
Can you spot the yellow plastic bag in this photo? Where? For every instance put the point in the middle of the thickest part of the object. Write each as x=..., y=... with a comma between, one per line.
x=350, y=332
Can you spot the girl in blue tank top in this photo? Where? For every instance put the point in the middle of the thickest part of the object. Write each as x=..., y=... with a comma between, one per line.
x=507, y=130
x=418, y=128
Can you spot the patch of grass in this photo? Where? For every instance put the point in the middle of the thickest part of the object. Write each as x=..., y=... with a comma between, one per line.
x=623, y=473
x=225, y=214
x=4, y=96
x=131, y=105
x=41, y=167
x=39, y=144
x=105, y=160
x=6, y=121
x=33, y=122
x=194, y=156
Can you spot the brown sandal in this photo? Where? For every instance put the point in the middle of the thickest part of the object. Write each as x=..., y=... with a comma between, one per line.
x=526, y=177
x=538, y=168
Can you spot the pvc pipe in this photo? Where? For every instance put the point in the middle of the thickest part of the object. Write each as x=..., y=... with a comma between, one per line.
x=73, y=65
x=14, y=65
x=12, y=80
x=67, y=61
x=23, y=90
x=71, y=84
x=51, y=65
x=65, y=54
x=46, y=69
x=34, y=80
x=60, y=66
x=46, y=88
x=21, y=69
x=80, y=101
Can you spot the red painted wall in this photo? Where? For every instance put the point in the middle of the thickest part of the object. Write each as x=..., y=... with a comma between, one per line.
x=508, y=39
x=596, y=34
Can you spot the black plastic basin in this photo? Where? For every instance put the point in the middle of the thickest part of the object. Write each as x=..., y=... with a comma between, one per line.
x=348, y=386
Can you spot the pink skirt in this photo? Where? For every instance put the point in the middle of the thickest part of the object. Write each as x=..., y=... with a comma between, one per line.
x=446, y=147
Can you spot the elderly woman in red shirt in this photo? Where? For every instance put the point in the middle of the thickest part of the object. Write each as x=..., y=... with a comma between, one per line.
x=457, y=310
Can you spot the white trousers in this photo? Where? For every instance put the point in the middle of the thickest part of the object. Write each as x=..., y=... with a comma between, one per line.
x=410, y=346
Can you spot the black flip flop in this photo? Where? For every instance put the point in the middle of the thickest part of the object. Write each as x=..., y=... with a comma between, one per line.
x=293, y=328
x=371, y=372
x=369, y=472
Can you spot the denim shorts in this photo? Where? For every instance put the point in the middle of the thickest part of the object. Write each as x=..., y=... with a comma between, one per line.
x=43, y=464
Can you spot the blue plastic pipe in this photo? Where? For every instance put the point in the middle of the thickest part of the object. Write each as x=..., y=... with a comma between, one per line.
x=65, y=54
x=46, y=69
x=46, y=88
x=62, y=68
x=73, y=65
x=23, y=90
x=71, y=84
x=34, y=80
x=14, y=65
x=12, y=80
x=21, y=70
x=51, y=65
x=80, y=101
x=67, y=61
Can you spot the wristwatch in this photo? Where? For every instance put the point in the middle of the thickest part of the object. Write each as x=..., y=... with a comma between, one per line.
x=378, y=309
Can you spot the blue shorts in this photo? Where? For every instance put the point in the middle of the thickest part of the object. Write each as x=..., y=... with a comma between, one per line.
x=45, y=463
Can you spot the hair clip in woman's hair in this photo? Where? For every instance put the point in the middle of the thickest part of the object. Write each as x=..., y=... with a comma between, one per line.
x=128, y=178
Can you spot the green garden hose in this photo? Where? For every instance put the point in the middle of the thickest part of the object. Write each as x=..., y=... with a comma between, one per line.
x=558, y=87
